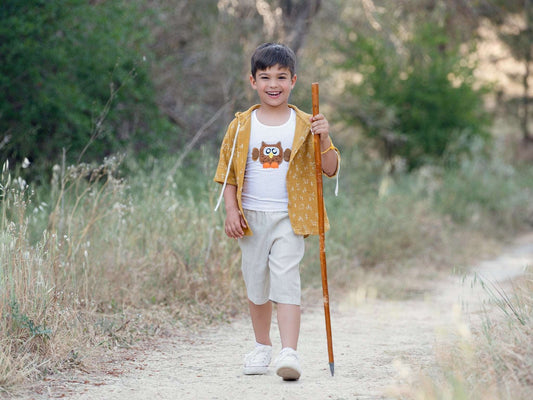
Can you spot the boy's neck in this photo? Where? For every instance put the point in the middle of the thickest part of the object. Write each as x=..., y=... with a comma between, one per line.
x=273, y=115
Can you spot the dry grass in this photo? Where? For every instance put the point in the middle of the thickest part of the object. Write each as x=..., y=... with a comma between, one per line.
x=96, y=262
x=95, y=267
x=497, y=361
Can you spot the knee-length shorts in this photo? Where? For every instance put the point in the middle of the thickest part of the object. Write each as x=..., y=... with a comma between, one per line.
x=271, y=258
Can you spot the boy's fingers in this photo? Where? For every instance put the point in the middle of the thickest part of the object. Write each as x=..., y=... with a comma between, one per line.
x=236, y=231
x=233, y=235
x=230, y=231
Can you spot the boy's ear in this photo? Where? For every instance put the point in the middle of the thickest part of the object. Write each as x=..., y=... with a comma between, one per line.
x=293, y=81
x=252, y=81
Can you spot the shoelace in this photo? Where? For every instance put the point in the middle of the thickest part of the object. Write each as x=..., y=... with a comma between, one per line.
x=258, y=355
x=288, y=352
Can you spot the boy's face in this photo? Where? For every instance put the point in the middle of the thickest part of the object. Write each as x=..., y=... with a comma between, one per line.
x=273, y=85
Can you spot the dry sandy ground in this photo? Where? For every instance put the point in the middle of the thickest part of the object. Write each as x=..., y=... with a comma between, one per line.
x=378, y=345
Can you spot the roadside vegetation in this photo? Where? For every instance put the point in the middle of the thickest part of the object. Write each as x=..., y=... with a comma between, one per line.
x=97, y=260
x=493, y=360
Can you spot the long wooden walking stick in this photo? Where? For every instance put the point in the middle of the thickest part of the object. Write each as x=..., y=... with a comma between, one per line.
x=320, y=199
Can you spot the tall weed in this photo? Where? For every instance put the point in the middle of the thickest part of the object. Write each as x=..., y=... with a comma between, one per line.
x=487, y=194
x=102, y=262
x=497, y=363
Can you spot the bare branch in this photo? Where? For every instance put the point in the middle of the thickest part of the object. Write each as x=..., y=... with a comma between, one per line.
x=197, y=137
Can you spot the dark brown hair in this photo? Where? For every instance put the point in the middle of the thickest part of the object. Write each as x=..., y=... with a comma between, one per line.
x=269, y=54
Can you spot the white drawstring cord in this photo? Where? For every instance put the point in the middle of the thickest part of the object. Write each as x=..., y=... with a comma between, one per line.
x=228, y=168
x=337, y=176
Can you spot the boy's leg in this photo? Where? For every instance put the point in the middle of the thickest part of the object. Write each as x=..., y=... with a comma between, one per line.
x=261, y=318
x=284, y=259
x=288, y=364
x=254, y=267
x=255, y=250
x=289, y=324
x=257, y=361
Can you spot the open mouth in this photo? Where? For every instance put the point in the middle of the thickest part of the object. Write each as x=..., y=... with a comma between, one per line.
x=273, y=94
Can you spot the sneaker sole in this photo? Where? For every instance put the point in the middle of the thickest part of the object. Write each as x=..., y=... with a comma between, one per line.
x=255, y=370
x=288, y=373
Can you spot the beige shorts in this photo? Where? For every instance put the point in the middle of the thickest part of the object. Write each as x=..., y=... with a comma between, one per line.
x=271, y=258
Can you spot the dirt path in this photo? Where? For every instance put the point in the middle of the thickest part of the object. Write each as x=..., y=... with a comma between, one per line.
x=378, y=346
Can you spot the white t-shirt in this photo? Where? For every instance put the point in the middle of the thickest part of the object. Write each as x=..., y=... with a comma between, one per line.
x=265, y=187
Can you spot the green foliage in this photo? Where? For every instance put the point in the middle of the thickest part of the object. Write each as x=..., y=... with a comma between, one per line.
x=485, y=189
x=72, y=75
x=21, y=320
x=386, y=219
x=416, y=99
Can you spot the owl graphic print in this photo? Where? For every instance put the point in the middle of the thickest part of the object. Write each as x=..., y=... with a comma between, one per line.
x=269, y=153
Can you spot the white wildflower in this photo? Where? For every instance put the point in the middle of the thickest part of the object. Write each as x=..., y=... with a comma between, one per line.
x=21, y=183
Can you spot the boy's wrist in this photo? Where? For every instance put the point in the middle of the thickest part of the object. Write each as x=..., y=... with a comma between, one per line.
x=232, y=209
x=325, y=142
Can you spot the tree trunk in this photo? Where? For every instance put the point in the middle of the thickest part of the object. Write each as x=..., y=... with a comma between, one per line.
x=297, y=16
x=525, y=115
x=528, y=56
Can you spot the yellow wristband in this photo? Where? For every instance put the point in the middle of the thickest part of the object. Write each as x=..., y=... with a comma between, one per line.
x=331, y=147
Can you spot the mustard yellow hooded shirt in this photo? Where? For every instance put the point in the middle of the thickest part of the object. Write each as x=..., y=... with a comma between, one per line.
x=301, y=178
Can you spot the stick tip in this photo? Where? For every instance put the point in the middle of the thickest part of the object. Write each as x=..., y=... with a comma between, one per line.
x=332, y=368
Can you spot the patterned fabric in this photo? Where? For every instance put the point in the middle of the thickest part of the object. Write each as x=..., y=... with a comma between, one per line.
x=301, y=179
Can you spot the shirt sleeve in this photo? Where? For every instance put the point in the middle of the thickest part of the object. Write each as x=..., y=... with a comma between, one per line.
x=226, y=148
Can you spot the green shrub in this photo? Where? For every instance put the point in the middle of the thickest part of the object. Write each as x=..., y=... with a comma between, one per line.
x=419, y=104
x=487, y=193
x=73, y=74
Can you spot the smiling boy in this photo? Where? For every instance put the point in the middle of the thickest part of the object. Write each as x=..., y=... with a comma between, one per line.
x=267, y=170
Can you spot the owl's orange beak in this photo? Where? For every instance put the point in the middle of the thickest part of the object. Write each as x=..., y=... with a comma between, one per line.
x=271, y=155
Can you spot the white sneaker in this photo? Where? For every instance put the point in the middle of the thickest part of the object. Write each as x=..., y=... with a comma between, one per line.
x=288, y=365
x=257, y=361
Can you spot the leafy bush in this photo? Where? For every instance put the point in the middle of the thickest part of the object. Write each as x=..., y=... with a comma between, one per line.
x=73, y=73
x=418, y=103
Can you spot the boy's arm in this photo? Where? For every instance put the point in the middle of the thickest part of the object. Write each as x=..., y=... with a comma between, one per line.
x=330, y=159
x=235, y=224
